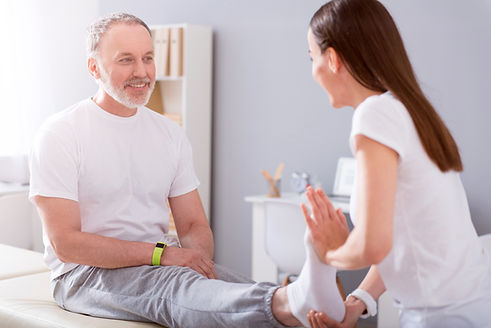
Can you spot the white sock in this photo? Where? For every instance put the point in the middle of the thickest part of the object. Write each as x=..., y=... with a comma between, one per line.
x=315, y=288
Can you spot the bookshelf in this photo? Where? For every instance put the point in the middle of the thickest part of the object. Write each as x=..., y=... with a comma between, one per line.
x=183, y=91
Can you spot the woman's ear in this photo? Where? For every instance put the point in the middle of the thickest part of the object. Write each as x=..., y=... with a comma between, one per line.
x=333, y=60
x=93, y=68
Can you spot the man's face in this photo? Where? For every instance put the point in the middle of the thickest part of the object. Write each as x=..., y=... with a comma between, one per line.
x=126, y=65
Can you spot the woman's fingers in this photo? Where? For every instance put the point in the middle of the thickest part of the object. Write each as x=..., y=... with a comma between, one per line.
x=318, y=204
x=311, y=197
x=327, y=203
x=313, y=203
x=308, y=219
x=311, y=319
x=322, y=202
x=341, y=217
x=319, y=322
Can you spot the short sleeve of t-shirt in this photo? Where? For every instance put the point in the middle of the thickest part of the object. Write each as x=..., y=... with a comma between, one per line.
x=383, y=119
x=53, y=165
x=185, y=179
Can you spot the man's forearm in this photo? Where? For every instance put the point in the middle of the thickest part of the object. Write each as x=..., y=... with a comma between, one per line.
x=199, y=238
x=100, y=251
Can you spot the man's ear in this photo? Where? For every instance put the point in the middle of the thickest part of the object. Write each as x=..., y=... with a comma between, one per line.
x=93, y=67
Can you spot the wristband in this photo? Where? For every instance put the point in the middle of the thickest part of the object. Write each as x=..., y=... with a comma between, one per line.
x=157, y=253
x=368, y=300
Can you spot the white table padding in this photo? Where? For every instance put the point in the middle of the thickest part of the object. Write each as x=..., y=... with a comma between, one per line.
x=15, y=262
x=27, y=302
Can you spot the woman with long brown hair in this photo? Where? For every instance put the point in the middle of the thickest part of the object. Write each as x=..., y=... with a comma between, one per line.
x=412, y=221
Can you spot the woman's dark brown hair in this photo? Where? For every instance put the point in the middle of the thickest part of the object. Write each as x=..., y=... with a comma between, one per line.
x=368, y=42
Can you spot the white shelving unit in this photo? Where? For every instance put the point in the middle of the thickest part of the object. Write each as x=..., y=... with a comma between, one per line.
x=188, y=97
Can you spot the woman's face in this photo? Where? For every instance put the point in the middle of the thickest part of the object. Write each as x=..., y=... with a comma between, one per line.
x=321, y=71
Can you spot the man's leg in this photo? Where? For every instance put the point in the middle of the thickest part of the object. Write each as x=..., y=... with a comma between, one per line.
x=171, y=296
x=229, y=275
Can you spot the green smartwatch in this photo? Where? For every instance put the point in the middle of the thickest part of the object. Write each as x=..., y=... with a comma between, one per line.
x=157, y=253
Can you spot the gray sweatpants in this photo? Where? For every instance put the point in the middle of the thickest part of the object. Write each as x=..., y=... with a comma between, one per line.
x=169, y=295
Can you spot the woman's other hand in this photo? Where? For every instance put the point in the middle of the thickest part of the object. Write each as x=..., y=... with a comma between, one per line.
x=354, y=309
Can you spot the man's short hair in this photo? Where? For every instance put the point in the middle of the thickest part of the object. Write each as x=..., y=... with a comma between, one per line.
x=97, y=29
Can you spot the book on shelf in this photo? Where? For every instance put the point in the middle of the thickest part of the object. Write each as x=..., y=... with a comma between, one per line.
x=155, y=102
x=175, y=48
x=160, y=38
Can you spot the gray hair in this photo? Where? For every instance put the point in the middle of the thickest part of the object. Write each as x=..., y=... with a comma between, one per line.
x=97, y=29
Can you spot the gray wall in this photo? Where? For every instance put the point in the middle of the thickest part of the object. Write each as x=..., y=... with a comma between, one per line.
x=267, y=108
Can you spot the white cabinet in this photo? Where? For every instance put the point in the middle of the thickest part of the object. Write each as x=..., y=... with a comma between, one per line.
x=263, y=266
x=186, y=97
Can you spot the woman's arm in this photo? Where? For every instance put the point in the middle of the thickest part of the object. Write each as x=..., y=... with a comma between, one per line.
x=371, y=239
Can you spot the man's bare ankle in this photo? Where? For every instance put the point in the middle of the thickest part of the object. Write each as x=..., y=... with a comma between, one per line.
x=281, y=309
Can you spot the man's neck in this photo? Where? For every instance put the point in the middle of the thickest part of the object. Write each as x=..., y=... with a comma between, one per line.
x=112, y=106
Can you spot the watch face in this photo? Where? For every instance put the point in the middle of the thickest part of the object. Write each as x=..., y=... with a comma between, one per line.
x=300, y=181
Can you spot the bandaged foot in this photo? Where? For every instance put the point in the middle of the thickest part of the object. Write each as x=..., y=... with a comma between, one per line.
x=315, y=288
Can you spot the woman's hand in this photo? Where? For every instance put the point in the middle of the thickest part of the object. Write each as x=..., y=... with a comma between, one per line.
x=327, y=226
x=354, y=309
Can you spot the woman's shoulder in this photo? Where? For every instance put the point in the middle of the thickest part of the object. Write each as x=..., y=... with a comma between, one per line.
x=384, y=106
x=382, y=102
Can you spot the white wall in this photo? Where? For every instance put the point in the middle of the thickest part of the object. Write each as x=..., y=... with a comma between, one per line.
x=48, y=71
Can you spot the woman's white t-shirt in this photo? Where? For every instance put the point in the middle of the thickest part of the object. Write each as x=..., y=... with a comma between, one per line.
x=120, y=170
x=436, y=257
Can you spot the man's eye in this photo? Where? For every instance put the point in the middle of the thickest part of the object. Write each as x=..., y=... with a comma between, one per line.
x=148, y=59
x=125, y=60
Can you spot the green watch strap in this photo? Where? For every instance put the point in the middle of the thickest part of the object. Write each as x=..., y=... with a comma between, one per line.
x=157, y=253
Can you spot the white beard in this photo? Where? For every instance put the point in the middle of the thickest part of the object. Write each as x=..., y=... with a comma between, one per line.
x=120, y=94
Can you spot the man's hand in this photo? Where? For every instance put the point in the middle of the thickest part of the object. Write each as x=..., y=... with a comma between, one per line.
x=354, y=308
x=328, y=227
x=190, y=258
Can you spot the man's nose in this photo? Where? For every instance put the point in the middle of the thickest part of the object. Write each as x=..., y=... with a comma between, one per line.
x=139, y=69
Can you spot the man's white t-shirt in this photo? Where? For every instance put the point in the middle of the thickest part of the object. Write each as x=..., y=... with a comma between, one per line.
x=436, y=258
x=120, y=170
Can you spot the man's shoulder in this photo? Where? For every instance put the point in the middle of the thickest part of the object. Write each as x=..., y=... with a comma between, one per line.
x=162, y=121
x=66, y=119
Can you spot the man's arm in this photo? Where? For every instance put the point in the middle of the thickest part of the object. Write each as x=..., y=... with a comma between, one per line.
x=194, y=234
x=61, y=220
x=191, y=223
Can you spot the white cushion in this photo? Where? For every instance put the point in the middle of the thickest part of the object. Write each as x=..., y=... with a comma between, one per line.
x=16, y=214
x=19, y=262
x=27, y=302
